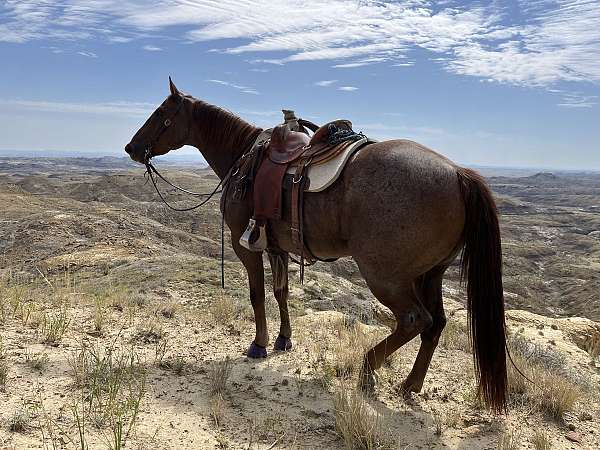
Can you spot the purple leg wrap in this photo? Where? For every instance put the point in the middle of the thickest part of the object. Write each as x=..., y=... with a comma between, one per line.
x=283, y=343
x=256, y=351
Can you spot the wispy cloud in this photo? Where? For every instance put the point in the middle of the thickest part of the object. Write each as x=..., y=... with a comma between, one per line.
x=531, y=43
x=152, y=48
x=347, y=88
x=577, y=100
x=360, y=63
x=88, y=54
x=119, y=39
x=131, y=109
x=325, y=83
x=245, y=89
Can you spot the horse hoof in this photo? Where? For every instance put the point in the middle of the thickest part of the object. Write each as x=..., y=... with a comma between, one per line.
x=256, y=351
x=282, y=344
x=408, y=388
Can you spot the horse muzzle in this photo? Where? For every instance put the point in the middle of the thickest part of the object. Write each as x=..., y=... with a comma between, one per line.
x=135, y=153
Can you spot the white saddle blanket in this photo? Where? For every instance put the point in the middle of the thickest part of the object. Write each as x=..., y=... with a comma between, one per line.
x=324, y=175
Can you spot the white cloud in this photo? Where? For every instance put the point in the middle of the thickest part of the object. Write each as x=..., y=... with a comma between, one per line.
x=88, y=54
x=131, y=109
x=536, y=42
x=359, y=63
x=325, y=83
x=152, y=48
x=348, y=88
x=577, y=100
x=245, y=89
x=119, y=39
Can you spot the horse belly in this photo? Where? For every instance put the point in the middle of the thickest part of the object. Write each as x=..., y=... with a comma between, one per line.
x=322, y=229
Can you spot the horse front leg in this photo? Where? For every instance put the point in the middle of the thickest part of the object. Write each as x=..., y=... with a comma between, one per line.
x=279, y=268
x=253, y=263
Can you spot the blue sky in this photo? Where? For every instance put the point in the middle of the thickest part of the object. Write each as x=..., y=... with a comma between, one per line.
x=511, y=83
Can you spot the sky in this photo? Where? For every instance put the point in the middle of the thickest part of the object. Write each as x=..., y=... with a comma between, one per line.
x=495, y=83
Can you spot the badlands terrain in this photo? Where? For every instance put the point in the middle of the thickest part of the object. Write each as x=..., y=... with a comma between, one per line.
x=115, y=333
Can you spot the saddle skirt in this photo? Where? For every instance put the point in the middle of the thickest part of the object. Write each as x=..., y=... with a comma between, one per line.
x=324, y=174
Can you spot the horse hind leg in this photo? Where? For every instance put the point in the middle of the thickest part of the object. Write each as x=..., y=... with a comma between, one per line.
x=411, y=316
x=429, y=288
x=279, y=268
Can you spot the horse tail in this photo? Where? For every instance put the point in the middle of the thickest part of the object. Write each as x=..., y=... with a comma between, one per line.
x=481, y=264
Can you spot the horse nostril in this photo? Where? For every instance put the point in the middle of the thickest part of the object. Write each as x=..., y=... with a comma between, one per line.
x=128, y=148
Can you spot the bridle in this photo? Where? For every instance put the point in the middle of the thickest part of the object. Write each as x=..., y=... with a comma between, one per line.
x=150, y=169
x=165, y=126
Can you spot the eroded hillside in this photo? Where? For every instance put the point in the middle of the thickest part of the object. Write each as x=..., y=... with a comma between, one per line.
x=112, y=315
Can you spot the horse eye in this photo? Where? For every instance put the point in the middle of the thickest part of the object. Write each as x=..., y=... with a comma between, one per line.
x=167, y=122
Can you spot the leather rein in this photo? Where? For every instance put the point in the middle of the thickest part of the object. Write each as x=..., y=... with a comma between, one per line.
x=222, y=185
x=151, y=170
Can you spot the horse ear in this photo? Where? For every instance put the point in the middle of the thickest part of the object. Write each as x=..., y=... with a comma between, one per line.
x=173, y=88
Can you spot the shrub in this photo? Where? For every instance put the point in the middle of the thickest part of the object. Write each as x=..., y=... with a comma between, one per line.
x=359, y=426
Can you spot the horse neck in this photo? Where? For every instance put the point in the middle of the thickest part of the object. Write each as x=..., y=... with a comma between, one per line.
x=221, y=136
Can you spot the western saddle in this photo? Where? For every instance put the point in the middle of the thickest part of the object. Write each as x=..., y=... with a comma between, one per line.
x=288, y=148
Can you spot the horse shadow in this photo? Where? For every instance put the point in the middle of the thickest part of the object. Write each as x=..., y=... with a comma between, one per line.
x=274, y=397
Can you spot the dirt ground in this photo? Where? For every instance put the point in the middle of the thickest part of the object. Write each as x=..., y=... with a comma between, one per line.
x=115, y=333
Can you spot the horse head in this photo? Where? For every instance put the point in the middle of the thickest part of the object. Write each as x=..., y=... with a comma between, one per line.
x=168, y=128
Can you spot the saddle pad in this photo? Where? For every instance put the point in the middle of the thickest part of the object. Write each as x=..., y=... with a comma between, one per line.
x=324, y=175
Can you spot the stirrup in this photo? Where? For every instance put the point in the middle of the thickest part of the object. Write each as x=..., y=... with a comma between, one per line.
x=255, y=237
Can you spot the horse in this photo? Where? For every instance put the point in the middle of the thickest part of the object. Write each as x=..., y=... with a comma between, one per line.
x=403, y=213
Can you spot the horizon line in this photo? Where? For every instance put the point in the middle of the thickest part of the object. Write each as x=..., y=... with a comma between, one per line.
x=90, y=154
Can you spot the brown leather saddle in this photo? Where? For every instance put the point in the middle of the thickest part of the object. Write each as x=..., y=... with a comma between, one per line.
x=287, y=148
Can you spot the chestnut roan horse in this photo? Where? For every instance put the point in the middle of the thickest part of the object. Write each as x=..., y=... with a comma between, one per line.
x=402, y=211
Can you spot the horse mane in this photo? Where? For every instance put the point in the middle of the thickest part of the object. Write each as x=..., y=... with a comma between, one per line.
x=223, y=129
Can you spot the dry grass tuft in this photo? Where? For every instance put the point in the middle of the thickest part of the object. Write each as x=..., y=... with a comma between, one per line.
x=357, y=423
x=217, y=408
x=439, y=424
x=20, y=421
x=36, y=361
x=54, y=327
x=541, y=441
x=593, y=344
x=223, y=310
x=169, y=310
x=112, y=385
x=456, y=336
x=551, y=390
x=509, y=440
x=3, y=366
x=349, y=347
x=218, y=374
x=177, y=365
x=99, y=315
x=149, y=332
x=160, y=350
